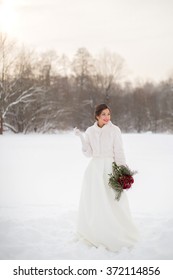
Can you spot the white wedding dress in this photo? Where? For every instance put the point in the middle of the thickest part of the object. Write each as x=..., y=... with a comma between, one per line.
x=102, y=220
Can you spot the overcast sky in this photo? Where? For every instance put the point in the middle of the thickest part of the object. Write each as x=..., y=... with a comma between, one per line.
x=141, y=31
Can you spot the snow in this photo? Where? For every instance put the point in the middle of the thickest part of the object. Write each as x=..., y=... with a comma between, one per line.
x=40, y=181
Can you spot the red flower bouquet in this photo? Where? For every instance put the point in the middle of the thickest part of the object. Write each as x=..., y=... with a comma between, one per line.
x=120, y=179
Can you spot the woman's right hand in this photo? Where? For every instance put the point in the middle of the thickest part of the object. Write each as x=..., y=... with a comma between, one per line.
x=77, y=132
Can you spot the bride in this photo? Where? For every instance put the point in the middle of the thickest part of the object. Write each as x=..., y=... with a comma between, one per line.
x=102, y=220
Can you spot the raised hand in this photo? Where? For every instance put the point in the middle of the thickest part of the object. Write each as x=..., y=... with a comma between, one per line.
x=77, y=132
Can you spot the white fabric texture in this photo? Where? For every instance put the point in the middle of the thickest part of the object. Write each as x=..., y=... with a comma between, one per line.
x=102, y=220
x=104, y=142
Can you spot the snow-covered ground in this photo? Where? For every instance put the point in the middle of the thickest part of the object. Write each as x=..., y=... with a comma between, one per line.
x=40, y=181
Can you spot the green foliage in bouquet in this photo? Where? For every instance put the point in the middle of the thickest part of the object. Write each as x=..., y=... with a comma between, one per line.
x=120, y=178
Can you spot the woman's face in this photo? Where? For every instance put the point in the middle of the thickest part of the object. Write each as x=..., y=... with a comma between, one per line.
x=104, y=117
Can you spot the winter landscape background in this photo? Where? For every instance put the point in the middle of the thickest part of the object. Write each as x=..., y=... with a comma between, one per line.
x=58, y=60
x=40, y=185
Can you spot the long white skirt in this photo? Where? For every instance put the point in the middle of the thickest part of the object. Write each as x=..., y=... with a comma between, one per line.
x=102, y=220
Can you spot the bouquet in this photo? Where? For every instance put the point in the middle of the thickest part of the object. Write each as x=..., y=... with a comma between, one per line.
x=120, y=178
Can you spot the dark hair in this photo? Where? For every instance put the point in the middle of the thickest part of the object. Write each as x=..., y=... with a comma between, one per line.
x=99, y=108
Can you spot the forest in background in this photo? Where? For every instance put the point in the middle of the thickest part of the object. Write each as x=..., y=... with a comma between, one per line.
x=45, y=92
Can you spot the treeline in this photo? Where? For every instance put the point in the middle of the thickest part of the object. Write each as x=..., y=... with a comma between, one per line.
x=44, y=92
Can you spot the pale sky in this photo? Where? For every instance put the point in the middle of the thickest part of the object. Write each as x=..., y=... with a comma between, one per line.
x=141, y=31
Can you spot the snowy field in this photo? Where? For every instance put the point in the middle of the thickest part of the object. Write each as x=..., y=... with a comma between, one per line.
x=40, y=181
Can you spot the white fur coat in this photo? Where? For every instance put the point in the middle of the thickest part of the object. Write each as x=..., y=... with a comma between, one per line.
x=104, y=142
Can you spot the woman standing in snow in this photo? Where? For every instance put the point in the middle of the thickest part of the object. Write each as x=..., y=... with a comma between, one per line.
x=102, y=220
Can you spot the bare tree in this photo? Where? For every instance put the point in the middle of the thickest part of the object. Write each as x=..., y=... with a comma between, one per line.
x=82, y=67
x=20, y=91
x=47, y=66
x=110, y=69
x=7, y=58
x=63, y=66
